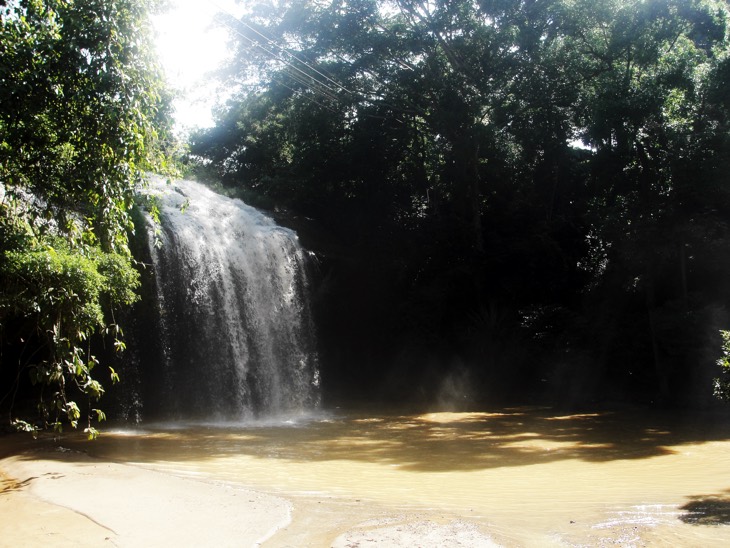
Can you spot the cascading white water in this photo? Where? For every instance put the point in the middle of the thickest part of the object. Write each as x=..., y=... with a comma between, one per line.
x=234, y=323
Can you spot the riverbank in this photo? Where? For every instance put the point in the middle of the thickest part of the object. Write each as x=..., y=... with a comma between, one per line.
x=54, y=496
x=519, y=477
x=65, y=498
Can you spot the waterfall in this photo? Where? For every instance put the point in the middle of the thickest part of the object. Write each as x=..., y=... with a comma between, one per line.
x=233, y=329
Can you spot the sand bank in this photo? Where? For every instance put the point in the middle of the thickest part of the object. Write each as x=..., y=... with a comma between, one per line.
x=58, y=497
x=69, y=499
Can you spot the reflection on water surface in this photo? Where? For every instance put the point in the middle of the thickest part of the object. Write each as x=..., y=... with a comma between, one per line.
x=528, y=475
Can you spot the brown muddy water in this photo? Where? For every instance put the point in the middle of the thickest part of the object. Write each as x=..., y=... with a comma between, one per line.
x=523, y=476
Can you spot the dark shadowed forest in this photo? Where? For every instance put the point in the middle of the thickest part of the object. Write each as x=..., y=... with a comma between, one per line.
x=507, y=199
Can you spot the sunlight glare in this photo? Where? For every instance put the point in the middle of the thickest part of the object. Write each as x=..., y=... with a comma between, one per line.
x=190, y=47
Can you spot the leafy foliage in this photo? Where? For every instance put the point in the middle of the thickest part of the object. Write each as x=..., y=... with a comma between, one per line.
x=83, y=114
x=561, y=163
x=722, y=384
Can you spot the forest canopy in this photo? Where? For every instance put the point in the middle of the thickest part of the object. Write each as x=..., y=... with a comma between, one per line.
x=84, y=113
x=526, y=197
x=534, y=192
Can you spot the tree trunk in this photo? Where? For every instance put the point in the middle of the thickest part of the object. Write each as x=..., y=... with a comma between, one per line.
x=467, y=194
x=659, y=369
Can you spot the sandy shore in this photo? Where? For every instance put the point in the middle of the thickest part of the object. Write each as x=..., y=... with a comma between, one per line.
x=70, y=500
x=58, y=497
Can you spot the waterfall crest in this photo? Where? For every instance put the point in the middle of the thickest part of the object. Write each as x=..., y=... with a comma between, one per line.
x=235, y=330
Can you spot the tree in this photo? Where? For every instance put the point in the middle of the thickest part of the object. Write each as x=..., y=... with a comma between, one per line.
x=456, y=127
x=658, y=208
x=83, y=114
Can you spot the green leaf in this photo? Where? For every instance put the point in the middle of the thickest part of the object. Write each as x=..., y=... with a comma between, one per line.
x=72, y=411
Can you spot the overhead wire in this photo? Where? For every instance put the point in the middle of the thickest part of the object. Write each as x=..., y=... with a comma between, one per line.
x=295, y=57
x=307, y=79
x=301, y=76
x=305, y=83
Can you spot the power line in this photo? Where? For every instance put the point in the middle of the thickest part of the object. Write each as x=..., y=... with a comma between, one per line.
x=283, y=49
x=307, y=79
x=269, y=41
